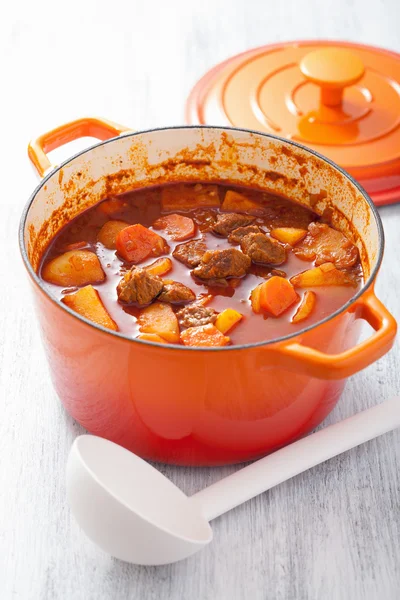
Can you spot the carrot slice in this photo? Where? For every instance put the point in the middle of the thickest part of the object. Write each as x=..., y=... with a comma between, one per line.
x=87, y=303
x=177, y=226
x=205, y=335
x=277, y=295
x=306, y=307
x=136, y=243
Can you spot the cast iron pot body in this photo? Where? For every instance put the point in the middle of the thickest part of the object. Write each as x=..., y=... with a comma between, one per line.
x=199, y=406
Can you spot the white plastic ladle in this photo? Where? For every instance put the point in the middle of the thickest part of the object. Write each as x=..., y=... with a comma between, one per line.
x=136, y=514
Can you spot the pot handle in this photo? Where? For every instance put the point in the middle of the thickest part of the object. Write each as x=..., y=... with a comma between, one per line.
x=101, y=129
x=339, y=366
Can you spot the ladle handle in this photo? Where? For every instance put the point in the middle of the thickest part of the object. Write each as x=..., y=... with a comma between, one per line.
x=268, y=472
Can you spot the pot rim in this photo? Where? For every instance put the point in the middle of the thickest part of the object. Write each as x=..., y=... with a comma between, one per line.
x=291, y=336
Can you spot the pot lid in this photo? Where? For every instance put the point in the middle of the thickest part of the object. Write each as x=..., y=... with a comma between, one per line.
x=338, y=98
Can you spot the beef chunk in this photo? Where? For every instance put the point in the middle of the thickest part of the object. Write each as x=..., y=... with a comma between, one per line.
x=219, y=264
x=190, y=253
x=139, y=287
x=324, y=244
x=280, y=212
x=238, y=234
x=227, y=223
x=263, y=249
x=194, y=316
x=204, y=218
x=261, y=270
x=176, y=293
x=218, y=283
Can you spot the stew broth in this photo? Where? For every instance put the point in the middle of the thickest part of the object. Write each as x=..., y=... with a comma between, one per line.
x=146, y=206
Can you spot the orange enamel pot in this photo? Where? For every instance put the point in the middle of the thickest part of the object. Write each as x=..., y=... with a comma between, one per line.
x=186, y=405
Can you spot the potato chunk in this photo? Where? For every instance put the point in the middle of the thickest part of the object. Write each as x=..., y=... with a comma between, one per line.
x=205, y=335
x=227, y=319
x=289, y=235
x=159, y=318
x=152, y=337
x=73, y=269
x=255, y=300
x=236, y=202
x=188, y=197
x=160, y=267
x=108, y=233
x=306, y=307
x=88, y=304
x=326, y=274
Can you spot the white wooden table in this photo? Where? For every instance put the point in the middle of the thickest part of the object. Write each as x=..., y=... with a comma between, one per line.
x=332, y=533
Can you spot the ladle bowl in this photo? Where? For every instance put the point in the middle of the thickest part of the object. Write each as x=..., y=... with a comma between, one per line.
x=133, y=512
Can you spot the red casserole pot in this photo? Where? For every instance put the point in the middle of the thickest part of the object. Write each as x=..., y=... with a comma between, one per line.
x=199, y=406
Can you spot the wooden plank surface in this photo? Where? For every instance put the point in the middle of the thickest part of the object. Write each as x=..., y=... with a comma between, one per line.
x=332, y=533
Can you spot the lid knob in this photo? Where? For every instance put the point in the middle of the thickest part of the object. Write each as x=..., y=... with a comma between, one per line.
x=332, y=69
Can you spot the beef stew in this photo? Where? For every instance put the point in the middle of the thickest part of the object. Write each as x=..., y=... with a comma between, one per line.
x=201, y=265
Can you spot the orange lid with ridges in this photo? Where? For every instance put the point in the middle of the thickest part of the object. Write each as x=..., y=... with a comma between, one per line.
x=338, y=98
